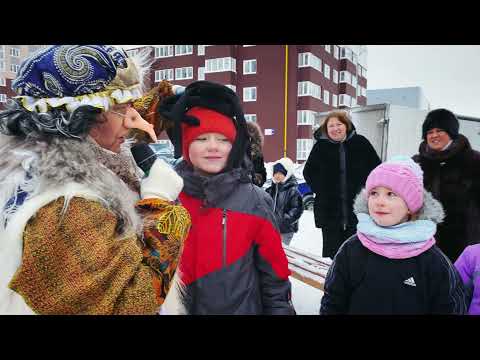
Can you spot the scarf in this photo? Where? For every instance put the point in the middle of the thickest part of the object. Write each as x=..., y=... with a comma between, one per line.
x=401, y=241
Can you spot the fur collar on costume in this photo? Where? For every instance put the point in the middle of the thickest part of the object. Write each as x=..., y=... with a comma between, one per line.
x=62, y=167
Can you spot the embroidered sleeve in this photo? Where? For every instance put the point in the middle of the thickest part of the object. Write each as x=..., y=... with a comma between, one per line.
x=76, y=263
x=166, y=228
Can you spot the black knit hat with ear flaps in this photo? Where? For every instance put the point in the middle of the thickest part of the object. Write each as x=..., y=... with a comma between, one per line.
x=212, y=96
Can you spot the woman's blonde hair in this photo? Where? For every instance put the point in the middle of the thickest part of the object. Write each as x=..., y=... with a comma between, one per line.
x=342, y=116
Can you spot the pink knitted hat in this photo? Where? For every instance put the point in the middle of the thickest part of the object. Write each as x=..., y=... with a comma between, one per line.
x=403, y=176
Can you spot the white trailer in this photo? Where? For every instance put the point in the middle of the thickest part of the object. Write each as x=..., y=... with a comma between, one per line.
x=397, y=130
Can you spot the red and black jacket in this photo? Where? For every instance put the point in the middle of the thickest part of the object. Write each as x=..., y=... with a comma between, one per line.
x=233, y=261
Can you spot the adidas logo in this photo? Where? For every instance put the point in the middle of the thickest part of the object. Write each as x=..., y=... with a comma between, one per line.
x=410, y=282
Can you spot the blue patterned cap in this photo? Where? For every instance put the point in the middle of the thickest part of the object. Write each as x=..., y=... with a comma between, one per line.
x=68, y=70
x=69, y=74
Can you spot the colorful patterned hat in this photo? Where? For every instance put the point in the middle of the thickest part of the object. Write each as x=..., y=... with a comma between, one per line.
x=76, y=75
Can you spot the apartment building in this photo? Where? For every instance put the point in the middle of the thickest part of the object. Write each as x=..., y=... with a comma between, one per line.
x=282, y=87
x=11, y=56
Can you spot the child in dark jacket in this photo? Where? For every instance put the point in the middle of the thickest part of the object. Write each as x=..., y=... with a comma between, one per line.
x=287, y=201
x=392, y=265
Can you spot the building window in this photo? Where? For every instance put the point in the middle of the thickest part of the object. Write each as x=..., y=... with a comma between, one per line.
x=327, y=49
x=3, y=98
x=163, y=51
x=335, y=76
x=326, y=70
x=309, y=60
x=364, y=91
x=354, y=58
x=183, y=50
x=336, y=52
x=184, y=73
x=220, y=64
x=305, y=117
x=250, y=94
x=132, y=52
x=2, y=66
x=249, y=67
x=354, y=102
x=334, y=100
x=326, y=97
x=233, y=87
x=304, y=146
x=201, y=73
x=201, y=50
x=2, y=51
x=307, y=88
x=345, y=77
x=14, y=67
x=14, y=52
x=250, y=117
x=165, y=74
x=354, y=81
x=345, y=53
x=3, y=82
x=34, y=48
x=344, y=100
x=364, y=72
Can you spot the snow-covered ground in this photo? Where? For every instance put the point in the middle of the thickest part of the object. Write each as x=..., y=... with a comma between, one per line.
x=306, y=298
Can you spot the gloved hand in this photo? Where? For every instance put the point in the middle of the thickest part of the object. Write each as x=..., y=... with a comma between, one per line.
x=162, y=182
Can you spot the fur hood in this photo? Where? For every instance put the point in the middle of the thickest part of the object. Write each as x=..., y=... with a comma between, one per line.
x=256, y=138
x=57, y=164
x=431, y=210
x=288, y=164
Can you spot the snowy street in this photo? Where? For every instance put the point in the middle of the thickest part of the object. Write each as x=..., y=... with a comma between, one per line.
x=306, y=299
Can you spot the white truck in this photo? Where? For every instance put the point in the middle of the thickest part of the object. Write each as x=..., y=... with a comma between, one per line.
x=397, y=130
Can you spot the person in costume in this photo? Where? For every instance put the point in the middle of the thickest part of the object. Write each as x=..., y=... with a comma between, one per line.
x=233, y=262
x=80, y=233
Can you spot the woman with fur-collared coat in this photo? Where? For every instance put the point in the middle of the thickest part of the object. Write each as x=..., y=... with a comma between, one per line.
x=452, y=175
x=336, y=170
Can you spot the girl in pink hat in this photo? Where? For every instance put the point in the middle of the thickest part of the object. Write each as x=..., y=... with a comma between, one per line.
x=392, y=265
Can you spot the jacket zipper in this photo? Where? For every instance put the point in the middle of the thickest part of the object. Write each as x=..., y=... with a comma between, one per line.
x=275, y=202
x=224, y=225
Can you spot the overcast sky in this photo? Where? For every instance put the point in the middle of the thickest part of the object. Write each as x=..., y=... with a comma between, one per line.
x=448, y=75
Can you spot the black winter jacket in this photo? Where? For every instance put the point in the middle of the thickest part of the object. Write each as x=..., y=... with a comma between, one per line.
x=453, y=178
x=287, y=204
x=362, y=282
x=325, y=175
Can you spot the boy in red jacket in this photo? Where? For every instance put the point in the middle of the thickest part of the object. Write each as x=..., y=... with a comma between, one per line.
x=233, y=261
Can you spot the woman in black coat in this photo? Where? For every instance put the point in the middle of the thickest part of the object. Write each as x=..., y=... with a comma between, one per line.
x=336, y=170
